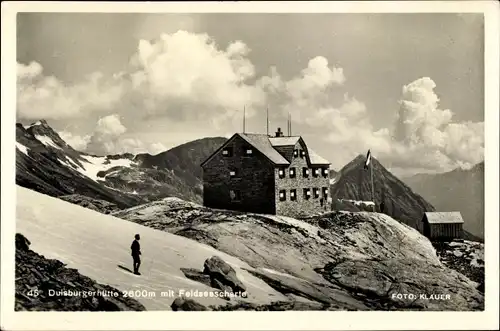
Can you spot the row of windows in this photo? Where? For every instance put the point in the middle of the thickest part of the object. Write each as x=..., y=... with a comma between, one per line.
x=228, y=151
x=235, y=195
x=316, y=172
x=281, y=172
x=306, y=193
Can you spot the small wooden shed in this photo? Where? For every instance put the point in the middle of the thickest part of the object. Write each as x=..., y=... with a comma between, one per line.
x=443, y=226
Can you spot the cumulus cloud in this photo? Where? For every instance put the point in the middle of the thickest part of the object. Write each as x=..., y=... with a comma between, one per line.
x=427, y=138
x=189, y=71
x=40, y=96
x=78, y=142
x=423, y=136
x=307, y=92
x=108, y=138
x=178, y=76
x=314, y=79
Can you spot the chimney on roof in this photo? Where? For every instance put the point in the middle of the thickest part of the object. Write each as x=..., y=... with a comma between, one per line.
x=279, y=133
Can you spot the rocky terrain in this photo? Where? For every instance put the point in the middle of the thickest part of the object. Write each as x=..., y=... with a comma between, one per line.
x=354, y=183
x=101, y=206
x=46, y=284
x=458, y=190
x=466, y=257
x=340, y=260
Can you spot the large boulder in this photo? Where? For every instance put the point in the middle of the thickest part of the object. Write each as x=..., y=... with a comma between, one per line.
x=183, y=304
x=222, y=275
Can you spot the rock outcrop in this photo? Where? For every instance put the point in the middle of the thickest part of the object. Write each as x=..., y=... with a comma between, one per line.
x=101, y=206
x=184, y=304
x=222, y=275
x=219, y=275
x=46, y=284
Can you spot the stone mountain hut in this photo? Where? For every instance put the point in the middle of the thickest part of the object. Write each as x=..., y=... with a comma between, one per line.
x=443, y=226
x=266, y=174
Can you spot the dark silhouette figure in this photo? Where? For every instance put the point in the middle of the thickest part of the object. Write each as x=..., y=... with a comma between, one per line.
x=136, y=252
x=382, y=207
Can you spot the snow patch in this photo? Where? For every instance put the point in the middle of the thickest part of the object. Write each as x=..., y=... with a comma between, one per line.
x=359, y=202
x=47, y=141
x=23, y=149
x=34, y=124
x=94, y=164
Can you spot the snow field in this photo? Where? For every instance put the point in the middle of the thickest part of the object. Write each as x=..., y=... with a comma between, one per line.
x=96, y=244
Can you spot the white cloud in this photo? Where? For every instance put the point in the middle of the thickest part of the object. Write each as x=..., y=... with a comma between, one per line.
x=426, y=136
x=40, y=96
x=423, y=136
x=178, y=76
x=30, y=71
x=187, y=73
x=315, y=78
x=110, y=126
x=77, y=142
x=304, y=94
x=108, y=138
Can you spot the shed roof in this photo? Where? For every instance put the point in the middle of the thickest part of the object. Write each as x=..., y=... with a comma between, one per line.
x=444, y=217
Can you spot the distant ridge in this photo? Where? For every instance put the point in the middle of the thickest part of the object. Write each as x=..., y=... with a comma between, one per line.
x=459, y=189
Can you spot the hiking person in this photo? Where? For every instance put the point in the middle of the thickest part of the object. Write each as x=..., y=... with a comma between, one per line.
x=136, y=252
x=382, y=207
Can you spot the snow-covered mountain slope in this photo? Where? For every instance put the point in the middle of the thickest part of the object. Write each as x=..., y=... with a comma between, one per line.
x=47, y=164
x=347, y=260
x=96, y=244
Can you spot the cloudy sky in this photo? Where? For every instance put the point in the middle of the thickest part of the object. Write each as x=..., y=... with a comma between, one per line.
x=407, y=86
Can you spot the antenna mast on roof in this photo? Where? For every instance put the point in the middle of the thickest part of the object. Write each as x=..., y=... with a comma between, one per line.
x=288, y=124
x=244, y=119
x=267, y=120
x=290, y=121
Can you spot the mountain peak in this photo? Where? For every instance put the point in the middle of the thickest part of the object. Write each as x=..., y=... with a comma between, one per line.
x=355, y=183
x=41, y=127
x=41, y=122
